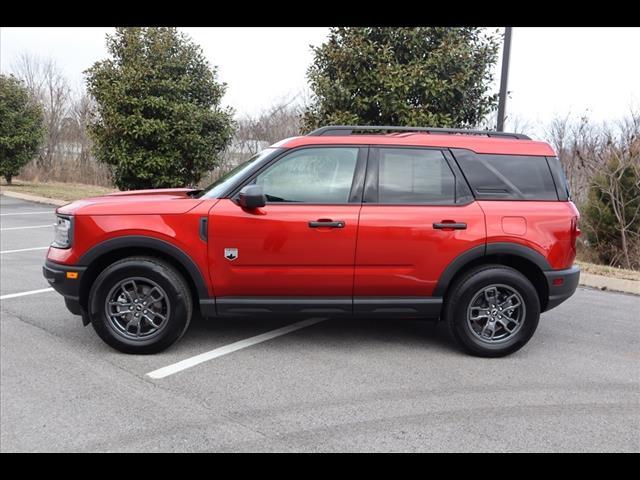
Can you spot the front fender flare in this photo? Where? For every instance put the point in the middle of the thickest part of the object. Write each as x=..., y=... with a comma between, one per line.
x=129, y=241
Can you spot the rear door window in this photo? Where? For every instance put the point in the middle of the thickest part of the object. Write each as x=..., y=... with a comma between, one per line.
x=414, y=176
x=517, y=177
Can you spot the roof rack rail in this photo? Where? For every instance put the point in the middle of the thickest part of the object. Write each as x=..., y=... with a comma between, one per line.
x=338, y=130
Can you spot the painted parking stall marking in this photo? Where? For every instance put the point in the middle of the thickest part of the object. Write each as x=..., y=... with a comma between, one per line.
x=219, y=352
x=26, y=213
x=22, y=294
x=25, y=228
x=24, y=250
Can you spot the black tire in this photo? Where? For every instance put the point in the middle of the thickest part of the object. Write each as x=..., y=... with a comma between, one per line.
x=145, y=272
x=468, y=287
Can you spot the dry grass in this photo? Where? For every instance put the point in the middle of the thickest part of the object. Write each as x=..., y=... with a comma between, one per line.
x=57, y=190
x=608, y=271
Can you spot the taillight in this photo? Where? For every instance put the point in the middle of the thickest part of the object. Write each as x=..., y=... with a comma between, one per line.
x=575, y=230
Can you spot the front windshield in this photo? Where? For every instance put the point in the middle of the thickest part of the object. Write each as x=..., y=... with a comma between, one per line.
x=221, y=184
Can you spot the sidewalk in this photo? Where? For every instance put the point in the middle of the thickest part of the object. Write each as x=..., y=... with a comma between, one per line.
x=33, y=198
x=609, y=283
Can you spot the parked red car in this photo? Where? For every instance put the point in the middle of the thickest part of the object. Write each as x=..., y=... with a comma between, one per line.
x=472, y=227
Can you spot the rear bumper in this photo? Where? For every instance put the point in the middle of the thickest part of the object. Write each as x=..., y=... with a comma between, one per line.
x=562, y=284
x=69, y=288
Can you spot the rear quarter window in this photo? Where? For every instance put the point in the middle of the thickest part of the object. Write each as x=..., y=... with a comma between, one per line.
x=507, y=177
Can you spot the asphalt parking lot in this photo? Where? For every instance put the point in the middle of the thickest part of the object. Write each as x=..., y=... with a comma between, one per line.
x=366, y=385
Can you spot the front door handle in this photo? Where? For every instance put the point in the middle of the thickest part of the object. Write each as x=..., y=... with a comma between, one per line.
x=326, y=223
x=450, y=226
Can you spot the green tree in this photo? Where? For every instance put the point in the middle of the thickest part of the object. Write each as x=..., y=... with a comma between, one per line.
x=21, y=127
x=159, y=122
x=423, y=76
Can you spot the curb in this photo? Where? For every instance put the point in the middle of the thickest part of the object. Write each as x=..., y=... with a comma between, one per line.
x=33, y=198
x=611, y=284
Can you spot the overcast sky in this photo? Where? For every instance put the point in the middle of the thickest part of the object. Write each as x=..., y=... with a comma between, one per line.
x=554, y=71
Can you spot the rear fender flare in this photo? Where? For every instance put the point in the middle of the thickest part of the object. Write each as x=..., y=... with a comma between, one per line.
x=475, y=253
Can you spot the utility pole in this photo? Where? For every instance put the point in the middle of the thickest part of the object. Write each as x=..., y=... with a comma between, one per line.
x=502, y=100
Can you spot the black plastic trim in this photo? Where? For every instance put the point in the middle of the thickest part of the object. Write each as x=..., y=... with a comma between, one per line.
x=208, y=307
x=495, y=248
x=415, y=307
x=505, y=248
x=463, y=192
x=250, y=306
x=56, y=275
x=560, y=293
x=202, y=230
x=341, y=130
x=420, y=307
x=357, y=184
x=336, y=224
x=130, y=241
x=455, y=266
x=450, y=226
x=73, y=305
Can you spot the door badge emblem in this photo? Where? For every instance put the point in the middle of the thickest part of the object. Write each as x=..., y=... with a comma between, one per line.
x=231, y=253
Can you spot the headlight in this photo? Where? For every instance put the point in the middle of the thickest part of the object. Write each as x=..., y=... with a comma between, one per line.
x=62, y=233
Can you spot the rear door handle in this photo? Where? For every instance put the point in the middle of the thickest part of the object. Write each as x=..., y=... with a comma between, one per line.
x=327, y=224
x=450, y=226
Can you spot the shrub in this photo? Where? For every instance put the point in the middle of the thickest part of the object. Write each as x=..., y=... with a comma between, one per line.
x=159, y=122
x=21, y=127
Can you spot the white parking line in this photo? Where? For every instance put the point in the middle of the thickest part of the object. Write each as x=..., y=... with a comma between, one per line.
x=24, y=250
x=24, y=228
x=22, y=294
x=218, y=352
x=26, y=213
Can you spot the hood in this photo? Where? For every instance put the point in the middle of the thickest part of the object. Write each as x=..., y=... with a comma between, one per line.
x=135, y=202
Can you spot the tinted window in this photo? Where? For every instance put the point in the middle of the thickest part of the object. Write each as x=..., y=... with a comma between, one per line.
x=414, y=176
x=317, y=175
x=508, y=176
x=562, y=186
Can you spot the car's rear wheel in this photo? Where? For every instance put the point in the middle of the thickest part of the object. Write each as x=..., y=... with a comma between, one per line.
x=140, y=305
x=492, y=311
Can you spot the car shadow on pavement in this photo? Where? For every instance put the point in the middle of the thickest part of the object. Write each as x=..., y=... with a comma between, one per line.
x=337, y=332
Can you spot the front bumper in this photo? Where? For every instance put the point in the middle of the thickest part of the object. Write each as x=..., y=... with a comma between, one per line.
x=562, y=284
x=65, y=279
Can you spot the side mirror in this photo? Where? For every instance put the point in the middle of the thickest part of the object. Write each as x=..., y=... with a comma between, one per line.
x=252, y=197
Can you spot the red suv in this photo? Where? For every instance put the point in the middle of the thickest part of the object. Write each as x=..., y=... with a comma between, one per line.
x=472, y=227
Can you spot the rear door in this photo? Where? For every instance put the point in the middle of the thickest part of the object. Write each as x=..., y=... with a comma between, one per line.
x=301, y=244
x=418, y=215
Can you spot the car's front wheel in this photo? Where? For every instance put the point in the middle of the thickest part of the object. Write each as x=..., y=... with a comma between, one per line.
x=492, y=311
x=140, y=305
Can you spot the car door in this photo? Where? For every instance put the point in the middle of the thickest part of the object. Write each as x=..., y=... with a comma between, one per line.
x=297, y=252
x=418, y=215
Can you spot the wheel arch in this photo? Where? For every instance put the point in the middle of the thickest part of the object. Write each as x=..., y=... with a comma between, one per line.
x=109, y=251
x=523, y=259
